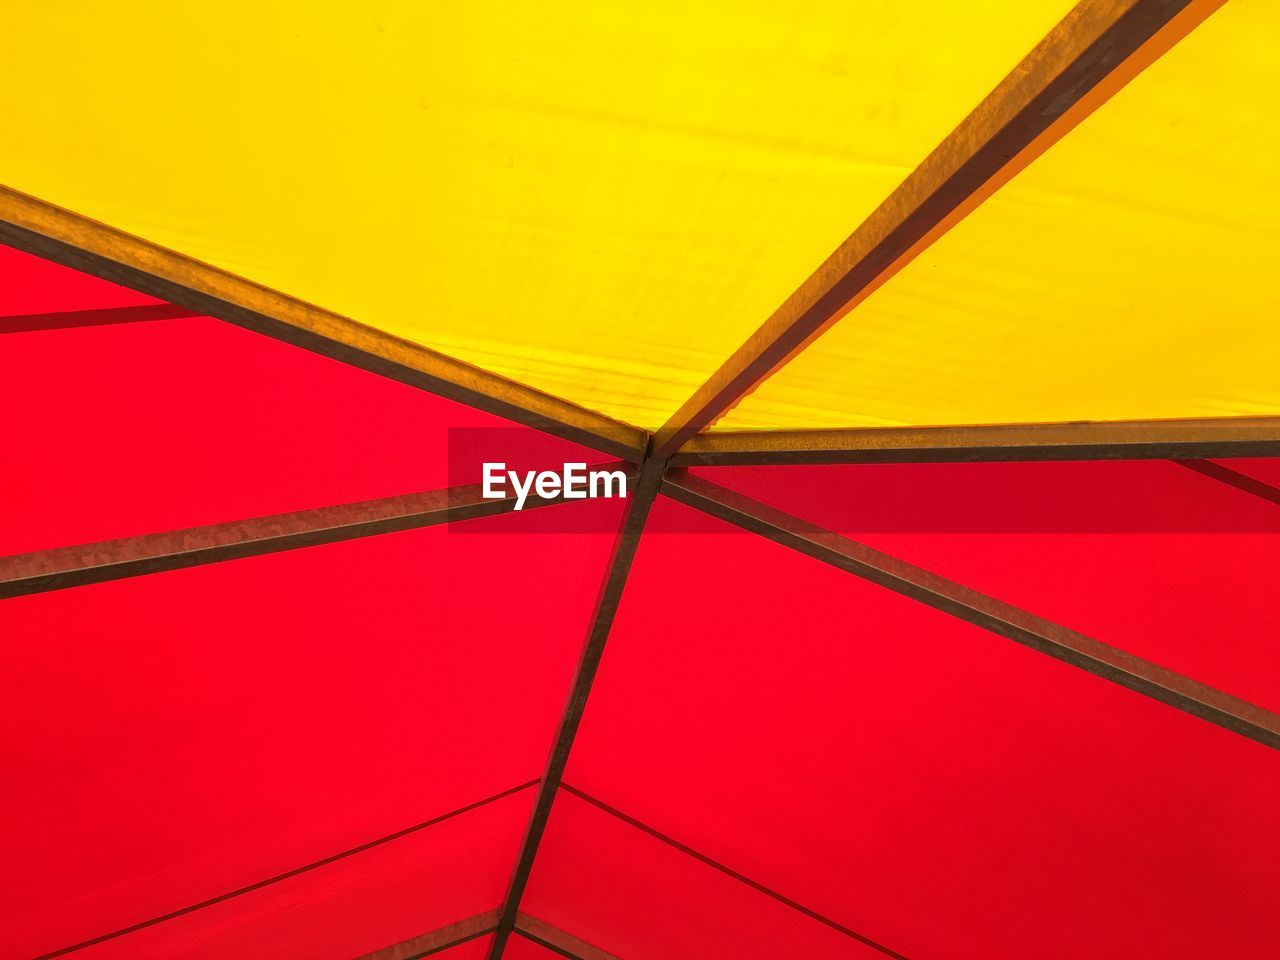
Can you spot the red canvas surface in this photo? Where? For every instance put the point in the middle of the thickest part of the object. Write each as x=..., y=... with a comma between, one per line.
x=518, y=948
x=1148, y=556
x=31, y=285
x=476, y=949
x=172, y=737
x=633, y=896
x=938, y=788
x=1266, y=469
x=443, y=874
x=134, y=428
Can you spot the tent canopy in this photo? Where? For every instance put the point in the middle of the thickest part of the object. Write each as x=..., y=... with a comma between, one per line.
x=939, y=620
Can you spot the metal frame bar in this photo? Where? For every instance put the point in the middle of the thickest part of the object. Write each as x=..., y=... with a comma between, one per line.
x=1233, y=478
x=102, y=316
x=1127, y=439
x=1093, y=40
x=192, y=908
x=729, y=872
x=557, y=941
x=624, y=550
x=63, y=567
x=425, y=944
x=75, y=241
x=455, y=934
x=976, y=608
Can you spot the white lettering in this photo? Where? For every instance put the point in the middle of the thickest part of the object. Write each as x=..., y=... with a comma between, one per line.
x=521, y=491
x=608, y=478
x=493, y=473
x=548, y=484
x=575, y=483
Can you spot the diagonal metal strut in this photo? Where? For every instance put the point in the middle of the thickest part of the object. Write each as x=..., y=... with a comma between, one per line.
x=969, y=605
x=1114, y=440
x=63, y=567
x=1085, y=48
x=625, y=543
x=35, y=226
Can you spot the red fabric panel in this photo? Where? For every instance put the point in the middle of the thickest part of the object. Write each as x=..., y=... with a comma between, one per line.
x=31, y=285
x=518, y=948
x=623, y=891
x=170, y=738
x=938, y=788
x=1266, y=469
x=476, y=949
x=134, y=428
x=439, y=876
x=1148, y=556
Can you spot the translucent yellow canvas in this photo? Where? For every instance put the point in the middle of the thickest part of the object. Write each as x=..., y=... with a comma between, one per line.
x=601, y=200
x=1128, y=273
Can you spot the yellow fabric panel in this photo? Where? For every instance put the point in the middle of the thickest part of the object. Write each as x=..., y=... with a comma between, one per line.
x=1128, y=273
x=600, y=199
